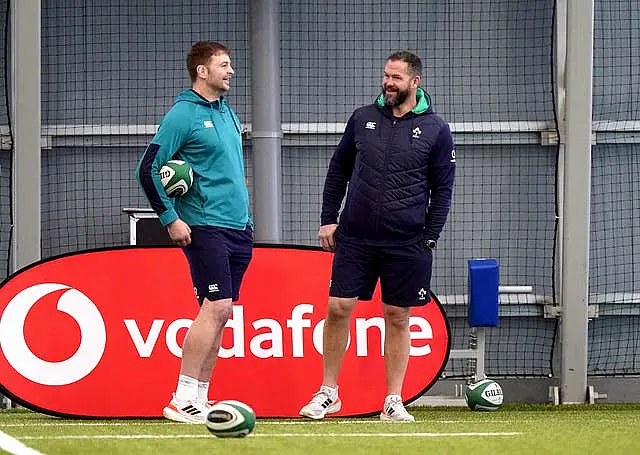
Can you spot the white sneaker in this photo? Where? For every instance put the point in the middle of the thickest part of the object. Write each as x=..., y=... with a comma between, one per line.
x=394, y=411
x=190, y=411
x=207, y=404
x=325, y=401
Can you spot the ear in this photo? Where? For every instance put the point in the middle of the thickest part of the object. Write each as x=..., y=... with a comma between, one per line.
x=415, y=82
x=202, y=71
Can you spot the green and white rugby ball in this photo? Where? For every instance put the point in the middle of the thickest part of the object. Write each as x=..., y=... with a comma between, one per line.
x=230, y=419
x=176, y=177
x=485, y=395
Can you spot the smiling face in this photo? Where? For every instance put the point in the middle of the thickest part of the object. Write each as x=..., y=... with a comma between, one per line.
x=398, y=83
x=216, y=74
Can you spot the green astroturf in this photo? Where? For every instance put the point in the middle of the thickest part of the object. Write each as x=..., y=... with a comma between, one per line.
x=513, y=429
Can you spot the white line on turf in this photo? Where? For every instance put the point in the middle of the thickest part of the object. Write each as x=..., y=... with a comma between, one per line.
x=15, y=447
x=360, y=421
x=260, y=422
x=278, y=435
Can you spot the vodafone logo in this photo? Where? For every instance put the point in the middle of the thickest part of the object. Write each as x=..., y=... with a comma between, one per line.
x=100, y=334
x=267, y=335
x=17, y=352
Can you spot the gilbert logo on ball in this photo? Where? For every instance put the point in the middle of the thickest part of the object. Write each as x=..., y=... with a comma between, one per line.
x=176, y=177
x=485, y=395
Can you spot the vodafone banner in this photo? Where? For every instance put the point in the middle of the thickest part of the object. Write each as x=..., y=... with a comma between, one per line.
x=98, y=334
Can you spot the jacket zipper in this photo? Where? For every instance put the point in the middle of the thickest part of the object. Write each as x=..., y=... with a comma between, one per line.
x=384, y=174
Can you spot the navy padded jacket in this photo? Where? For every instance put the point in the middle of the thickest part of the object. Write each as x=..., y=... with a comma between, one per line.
x=400, y=174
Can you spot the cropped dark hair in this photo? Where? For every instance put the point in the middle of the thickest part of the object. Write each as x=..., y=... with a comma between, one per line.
x=413, y=61
x=200, y=54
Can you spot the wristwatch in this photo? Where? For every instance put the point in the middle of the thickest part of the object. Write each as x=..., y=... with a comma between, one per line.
x=431, y=244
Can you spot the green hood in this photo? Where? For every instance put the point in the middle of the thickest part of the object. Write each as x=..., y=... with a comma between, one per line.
x=423, y=98
x=192, y=96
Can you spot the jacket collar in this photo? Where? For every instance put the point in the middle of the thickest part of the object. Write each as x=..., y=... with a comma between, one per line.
x=423, y=101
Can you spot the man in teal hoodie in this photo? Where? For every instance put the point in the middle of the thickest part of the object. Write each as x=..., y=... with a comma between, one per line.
x=211, y=222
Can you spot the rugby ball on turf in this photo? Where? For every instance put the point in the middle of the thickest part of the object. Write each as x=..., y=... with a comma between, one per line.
x=230, y=419
x=485, y=395
x=176, y=177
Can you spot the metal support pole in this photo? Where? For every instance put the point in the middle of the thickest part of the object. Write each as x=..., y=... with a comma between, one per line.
x=481, y=346
x=577, y=187
x=266, y=135
x=560, y=60
x=25, y=125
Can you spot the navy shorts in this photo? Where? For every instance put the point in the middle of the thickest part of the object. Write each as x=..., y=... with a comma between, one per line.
x=218, y=258
x=404, y=272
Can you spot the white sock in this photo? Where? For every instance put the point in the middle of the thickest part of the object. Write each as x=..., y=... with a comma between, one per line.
x=203, y=391
x=393, y=398
x=331, y=391
x=187, y=388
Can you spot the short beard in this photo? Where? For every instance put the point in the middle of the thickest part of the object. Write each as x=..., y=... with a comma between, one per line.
x=401, y=97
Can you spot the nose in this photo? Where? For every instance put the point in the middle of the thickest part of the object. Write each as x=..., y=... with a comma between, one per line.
x=231, y=70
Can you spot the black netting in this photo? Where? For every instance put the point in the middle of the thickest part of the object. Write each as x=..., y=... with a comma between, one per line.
x=111, y=70
x=6, y=219
x=614, y=275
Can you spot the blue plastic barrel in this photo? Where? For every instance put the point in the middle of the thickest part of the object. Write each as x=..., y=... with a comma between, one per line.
x=484, y=277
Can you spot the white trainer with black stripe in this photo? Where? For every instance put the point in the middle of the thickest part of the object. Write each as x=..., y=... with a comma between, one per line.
x=394, y=411
x=325, y=401
x=190, y=411
x=207, y=404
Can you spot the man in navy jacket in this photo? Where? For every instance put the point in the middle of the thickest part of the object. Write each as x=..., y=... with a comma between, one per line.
x=398, y=159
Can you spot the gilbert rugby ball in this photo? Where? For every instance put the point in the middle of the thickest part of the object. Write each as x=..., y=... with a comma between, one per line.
x=485, y=395
x=176, y=177
x=230, y=419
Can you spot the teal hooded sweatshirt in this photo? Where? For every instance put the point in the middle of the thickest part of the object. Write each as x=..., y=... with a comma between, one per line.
x=206, y=135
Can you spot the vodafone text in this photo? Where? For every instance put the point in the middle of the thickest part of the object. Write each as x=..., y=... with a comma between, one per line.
x=270, y=342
